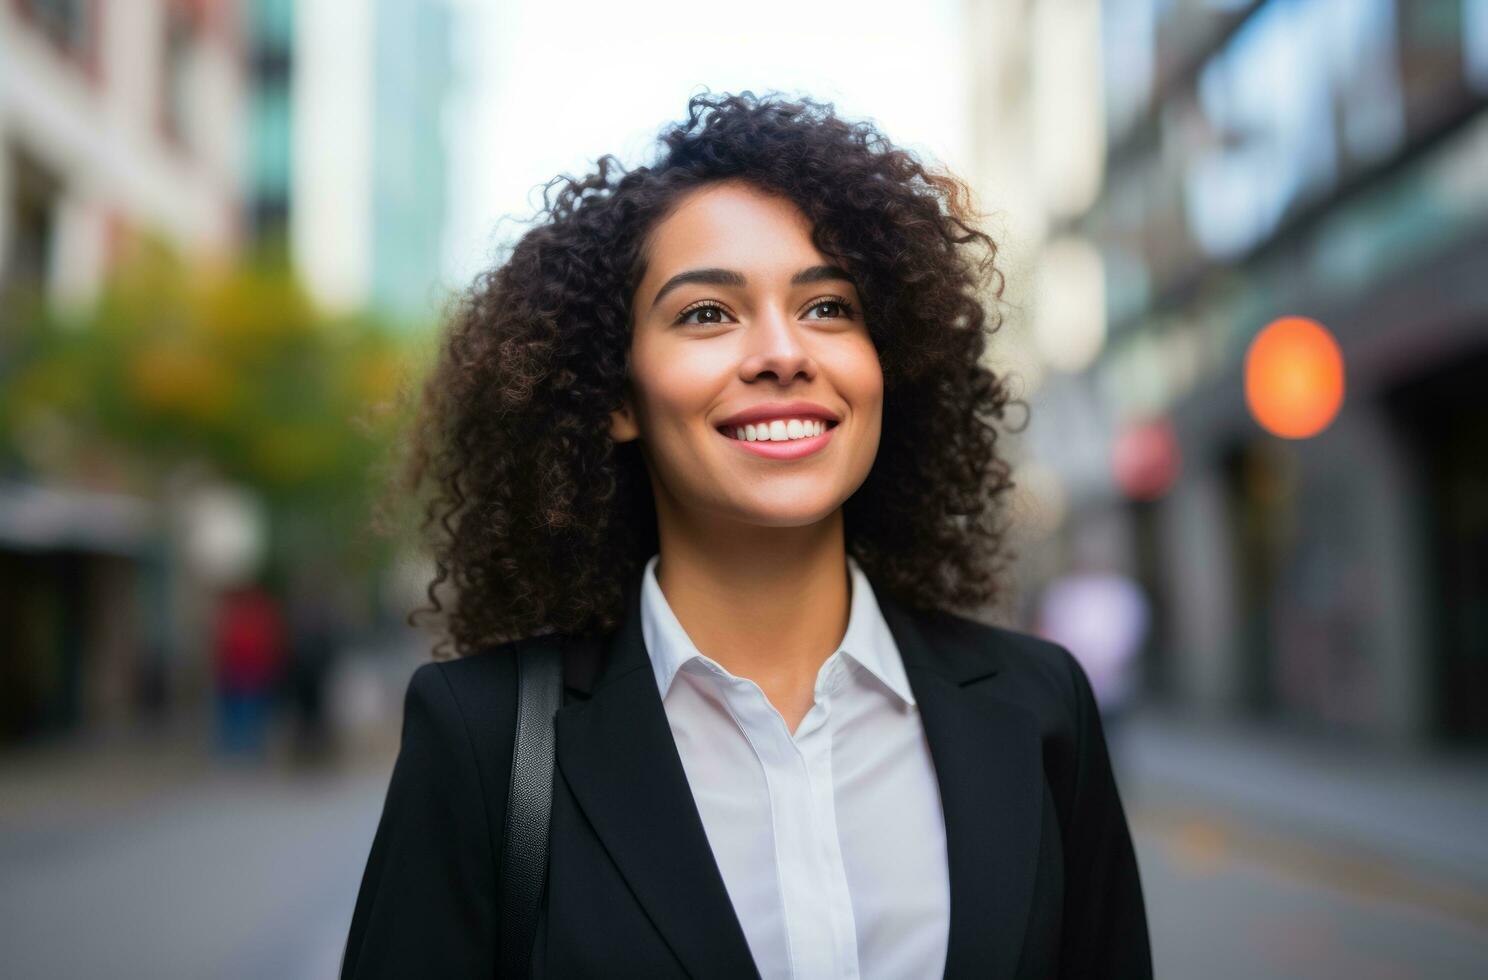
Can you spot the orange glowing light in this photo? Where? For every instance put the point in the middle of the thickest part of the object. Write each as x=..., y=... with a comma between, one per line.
x=1294, y=377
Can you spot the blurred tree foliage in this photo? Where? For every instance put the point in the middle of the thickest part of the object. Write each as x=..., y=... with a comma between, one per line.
x=230, y=366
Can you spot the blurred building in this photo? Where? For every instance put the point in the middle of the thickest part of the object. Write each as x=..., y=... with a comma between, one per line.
x=410, y=182
x=365, y=153
x=113, y=117
x=270, y=42
x=210, y=125
x=200, y=120
x=1322, y=158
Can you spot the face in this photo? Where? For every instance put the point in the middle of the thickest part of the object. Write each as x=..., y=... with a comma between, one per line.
x=740, y=315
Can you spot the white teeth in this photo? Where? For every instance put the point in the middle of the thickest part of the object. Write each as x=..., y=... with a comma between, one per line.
x=780, y=430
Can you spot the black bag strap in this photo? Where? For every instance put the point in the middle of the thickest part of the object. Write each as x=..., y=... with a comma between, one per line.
x=524, y=850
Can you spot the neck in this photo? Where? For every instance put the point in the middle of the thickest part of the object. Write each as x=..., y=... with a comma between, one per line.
x=769, y=604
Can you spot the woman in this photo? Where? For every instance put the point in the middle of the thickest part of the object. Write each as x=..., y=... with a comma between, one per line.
x=723, y=422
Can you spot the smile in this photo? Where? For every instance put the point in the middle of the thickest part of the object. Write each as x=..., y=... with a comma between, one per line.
x=786, y=448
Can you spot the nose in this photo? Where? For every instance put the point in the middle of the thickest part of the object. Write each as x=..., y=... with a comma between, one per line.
x=775, y=347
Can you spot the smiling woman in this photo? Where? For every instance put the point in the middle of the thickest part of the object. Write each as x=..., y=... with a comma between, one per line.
x=782, y=323
x=859, y=246
x=719, y=428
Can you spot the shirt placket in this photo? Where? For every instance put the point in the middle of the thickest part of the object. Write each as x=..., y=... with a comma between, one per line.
x=814, y=881
x=821, y=934
x=816, y=753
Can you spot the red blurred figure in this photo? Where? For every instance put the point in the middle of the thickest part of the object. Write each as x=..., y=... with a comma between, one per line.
x=250, y=655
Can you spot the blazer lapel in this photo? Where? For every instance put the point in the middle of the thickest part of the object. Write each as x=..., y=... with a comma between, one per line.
x=618, y=756
x=987, y=756
x=616, y=752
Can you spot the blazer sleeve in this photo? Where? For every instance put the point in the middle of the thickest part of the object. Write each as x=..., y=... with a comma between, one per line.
x=427, y=904
x=1104, y=931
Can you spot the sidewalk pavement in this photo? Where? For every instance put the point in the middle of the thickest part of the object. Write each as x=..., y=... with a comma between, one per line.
x=1412, y=813
x=61, y=786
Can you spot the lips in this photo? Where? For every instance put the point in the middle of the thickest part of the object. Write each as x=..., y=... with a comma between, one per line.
x=786, y=450
x=769, y=411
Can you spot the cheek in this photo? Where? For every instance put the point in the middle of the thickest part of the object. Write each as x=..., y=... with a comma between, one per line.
x=674, y=384
x=861, y=378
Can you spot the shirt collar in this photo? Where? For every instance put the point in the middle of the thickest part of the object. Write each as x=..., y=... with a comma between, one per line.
x=867, y=641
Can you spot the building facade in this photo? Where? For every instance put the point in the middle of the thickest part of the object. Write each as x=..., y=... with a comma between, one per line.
x=1317, y=158
x=115, y=117
x=367, y=157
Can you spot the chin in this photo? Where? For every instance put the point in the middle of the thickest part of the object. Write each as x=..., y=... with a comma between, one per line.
x=791, y=514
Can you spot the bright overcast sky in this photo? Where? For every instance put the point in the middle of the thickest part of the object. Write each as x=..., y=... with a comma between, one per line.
x=544, y=88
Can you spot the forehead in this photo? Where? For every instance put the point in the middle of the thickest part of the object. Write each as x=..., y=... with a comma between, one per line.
x=730, y=224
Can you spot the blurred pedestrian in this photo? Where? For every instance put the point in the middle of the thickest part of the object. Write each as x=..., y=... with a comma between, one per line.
x=249, y=657
x=1102, y=617
x=315, y=634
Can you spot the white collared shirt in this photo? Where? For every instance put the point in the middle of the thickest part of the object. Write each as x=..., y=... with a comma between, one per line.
x=831, y=841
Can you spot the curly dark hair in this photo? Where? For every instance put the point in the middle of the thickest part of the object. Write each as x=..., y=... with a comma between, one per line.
x=539, y=520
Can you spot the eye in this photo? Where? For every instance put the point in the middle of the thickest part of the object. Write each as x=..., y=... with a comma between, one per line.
x=704, y=306
x=843, y=309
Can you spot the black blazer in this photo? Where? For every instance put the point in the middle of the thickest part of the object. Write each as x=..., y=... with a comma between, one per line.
x=1043, y=877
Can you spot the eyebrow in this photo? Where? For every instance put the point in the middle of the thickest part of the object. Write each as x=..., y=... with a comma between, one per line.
x=728, y=277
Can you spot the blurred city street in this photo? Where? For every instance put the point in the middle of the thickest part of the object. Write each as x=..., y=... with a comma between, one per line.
x=1239, y=289
x=1261, y=858
x=1269, y=856
x=111, y=867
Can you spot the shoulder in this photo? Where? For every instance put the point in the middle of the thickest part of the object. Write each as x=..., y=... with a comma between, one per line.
x=468, y=701
x=476, y=684
x=1024, y=668
x=1024, y=659
x=1027, y=673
